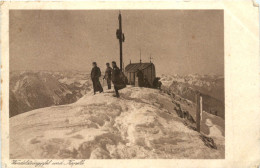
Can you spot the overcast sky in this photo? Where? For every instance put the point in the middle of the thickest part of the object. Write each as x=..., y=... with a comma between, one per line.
x=179, y=41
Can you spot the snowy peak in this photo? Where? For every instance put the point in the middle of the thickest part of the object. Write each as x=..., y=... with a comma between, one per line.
x=210, y=86
x=194, y=79
x=31, y=90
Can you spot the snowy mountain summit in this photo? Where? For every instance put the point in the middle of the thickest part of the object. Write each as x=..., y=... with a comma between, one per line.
x=142, y=123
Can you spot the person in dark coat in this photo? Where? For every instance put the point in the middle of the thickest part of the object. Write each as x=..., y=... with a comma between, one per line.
x=95, y=74
x=140, y=77
x=117, y=79
x=108, y=75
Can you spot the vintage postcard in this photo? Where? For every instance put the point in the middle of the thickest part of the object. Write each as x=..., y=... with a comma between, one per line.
x=130, y=84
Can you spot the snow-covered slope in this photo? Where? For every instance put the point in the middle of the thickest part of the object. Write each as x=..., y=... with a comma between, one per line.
x=142, y=123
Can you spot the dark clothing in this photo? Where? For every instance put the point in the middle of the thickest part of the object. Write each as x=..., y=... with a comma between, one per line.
x=108, y=76
x=108, y=83
x=108, y=73
x=117, y=80
x=95, y=74
x=97, y=86
x=140, y=78
x=116, y=90
x=115, y=75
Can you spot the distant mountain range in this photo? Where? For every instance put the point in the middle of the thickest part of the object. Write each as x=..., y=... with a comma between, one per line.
x=210, y=86
x=31, y=90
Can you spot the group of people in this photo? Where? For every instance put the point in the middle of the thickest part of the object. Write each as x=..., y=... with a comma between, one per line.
x=113, y=74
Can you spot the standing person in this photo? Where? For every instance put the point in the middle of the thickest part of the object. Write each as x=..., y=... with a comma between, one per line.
x=95, y=74
x=108, y=75
x=116, y=79
x=140, y=77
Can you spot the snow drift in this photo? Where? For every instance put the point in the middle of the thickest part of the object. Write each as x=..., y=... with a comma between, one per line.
x=143, y=123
